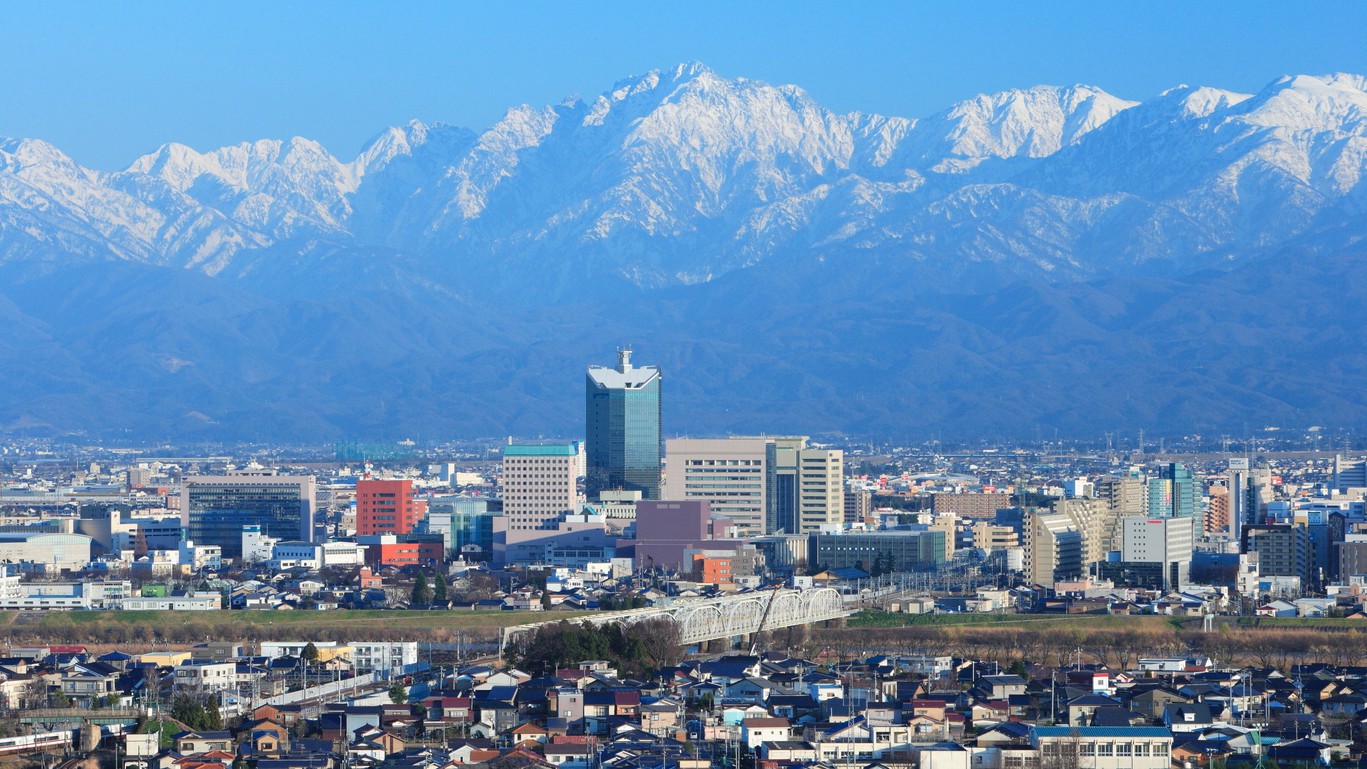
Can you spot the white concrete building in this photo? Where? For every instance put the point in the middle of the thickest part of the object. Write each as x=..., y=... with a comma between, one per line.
x=366, y=656
x=105, y=594
x=1164, y=541
x=294, y=554
x=1104, y=747
x=199, y=557
x=199, y=601
x=342, y=554
x=206, y=675
x=257, y=546
x=46, y=552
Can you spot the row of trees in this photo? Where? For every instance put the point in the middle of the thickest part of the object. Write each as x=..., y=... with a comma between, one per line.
x=636, y=649
x=1119, y=645
x=424, y=594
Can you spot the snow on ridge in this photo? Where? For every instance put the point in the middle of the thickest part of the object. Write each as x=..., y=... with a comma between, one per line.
x=684, y=153
x=1033, y=122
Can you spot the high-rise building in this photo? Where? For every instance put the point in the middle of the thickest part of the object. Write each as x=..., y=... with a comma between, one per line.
x=1174, y=493
x=764, y=485
x=1349, y=473
x=1217, y=511
x=821, y=490
x=858, y=505
x=214, y=508
x=731, y=474
x=1122, y=493
x=1067, y=540
x=1164, y=543
x=539, y=487
x=387, y=507
x=1238, y=497
x=1053, y=548
x=622, y=423
x=1283, y=551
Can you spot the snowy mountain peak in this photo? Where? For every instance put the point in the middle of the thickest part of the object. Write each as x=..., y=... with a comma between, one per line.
x=1186, y=101
x=681, y=175
x=21, y=155
x=390, y=143
x=1034, y=122
x=1307, y=102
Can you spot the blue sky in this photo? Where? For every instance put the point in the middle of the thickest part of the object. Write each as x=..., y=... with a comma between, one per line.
x=107, y=82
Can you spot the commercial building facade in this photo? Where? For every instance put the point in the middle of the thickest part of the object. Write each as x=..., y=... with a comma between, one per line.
x=907, y=550
x=215, y=508
x=622, y=428
x=765, y=485
x=1164, y=542
x=539, y=486
x=731, y=475
x=387, y=507
x=1174, y=493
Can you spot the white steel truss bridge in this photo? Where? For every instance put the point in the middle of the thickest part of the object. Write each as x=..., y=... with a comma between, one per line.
x=706, y=619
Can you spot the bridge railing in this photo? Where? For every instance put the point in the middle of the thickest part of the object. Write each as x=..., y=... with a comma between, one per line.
x=703, y=619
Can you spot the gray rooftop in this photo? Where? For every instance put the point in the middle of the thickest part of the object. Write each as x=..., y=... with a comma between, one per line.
x=625, y=376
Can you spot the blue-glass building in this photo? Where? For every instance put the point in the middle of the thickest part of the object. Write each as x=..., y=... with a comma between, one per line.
x=1174, y=493
x=622, y=415
x=214, y=508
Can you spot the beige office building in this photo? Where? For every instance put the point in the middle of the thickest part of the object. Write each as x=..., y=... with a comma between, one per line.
x=729, y=473
x=765, y=485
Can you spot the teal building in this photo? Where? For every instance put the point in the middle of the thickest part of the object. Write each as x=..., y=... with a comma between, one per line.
x=622, y=428
x=1174, y=493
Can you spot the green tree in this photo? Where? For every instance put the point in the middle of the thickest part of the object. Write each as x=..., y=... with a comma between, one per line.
x=310, y=653
x=1018, y=668
x=439, y=591
x=397, y=694
x=213, y=718
x=635, y=650
x=422, y=594
x=189, y=711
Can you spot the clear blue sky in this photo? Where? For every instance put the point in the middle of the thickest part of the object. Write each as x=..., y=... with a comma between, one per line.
x=107, y=82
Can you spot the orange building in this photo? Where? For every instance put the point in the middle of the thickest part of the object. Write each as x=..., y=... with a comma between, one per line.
x=711, y=569
x=387, y=507
x=1217, y=514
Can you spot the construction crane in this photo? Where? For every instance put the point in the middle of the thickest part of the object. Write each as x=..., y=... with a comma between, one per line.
x=754, y=645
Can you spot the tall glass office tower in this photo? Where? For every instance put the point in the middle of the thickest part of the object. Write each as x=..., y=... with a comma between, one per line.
x=622, y=415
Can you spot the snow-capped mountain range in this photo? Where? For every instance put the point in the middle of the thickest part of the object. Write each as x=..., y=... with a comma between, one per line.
x=1050, y=256
x=680, y=176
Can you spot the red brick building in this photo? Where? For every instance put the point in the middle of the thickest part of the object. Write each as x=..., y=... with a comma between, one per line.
x=387, y=507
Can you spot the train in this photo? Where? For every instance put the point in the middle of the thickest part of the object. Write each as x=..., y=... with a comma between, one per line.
x=30, y=743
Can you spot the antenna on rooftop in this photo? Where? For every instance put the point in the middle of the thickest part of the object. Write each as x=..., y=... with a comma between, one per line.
x=624, y=358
